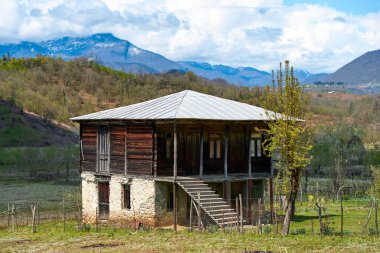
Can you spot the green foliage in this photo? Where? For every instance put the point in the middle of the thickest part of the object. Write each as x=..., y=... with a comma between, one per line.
x=267, y=229
x=58, y=90
x=299, y=231
x=288, y=136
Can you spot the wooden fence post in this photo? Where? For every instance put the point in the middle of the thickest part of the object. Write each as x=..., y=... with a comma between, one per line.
x=64, y=214
x=33, y=218
x=241, y=212
x=9, y=215
x=191, y=215
x=199, y=211
x=237, y=212
x=13, y=218
x=376, y=221
x=259, y=221
x=341, y=216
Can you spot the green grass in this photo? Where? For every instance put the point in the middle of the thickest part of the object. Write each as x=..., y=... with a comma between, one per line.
x=51, y=237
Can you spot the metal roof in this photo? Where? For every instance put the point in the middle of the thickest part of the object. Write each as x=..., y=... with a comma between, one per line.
x=187, y=104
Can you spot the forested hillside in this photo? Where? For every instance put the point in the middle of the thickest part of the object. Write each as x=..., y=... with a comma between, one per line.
x=58, y=89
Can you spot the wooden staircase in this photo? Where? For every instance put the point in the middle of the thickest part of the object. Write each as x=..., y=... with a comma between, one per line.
x=213, y=205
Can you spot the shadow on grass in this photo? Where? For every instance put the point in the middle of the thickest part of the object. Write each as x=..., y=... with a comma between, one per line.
x=301, y=218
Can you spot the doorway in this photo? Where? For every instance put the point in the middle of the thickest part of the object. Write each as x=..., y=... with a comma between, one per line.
x=104, y=200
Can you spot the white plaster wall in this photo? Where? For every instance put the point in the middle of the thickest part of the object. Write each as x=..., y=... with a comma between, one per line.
x=89, y=197
x=142, y=201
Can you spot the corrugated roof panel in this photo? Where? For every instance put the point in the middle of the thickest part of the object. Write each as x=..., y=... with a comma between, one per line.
x=182, y=105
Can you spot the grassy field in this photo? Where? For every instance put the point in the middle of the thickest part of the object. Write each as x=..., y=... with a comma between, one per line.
x=51, y=238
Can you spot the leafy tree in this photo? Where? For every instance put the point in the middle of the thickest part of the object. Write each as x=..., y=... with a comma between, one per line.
x=288, y=135
x=338, y=146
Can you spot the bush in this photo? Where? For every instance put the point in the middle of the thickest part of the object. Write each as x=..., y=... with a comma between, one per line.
x=212, y=228
x=267, y=229
x=299, y=231
x=372, y=231
x=86, y=227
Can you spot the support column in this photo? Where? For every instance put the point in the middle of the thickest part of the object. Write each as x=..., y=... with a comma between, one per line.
x=201, y=155
x=249, y=152
x=226, y=153
x=175, y=178
x=271, y=198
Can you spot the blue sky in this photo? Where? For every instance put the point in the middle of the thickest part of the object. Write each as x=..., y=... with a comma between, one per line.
x=319, y=36
x=356, y=7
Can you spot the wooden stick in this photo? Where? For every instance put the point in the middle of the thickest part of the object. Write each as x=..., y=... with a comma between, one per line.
x=237, y=212
x=191, y=215
x=376, y=221
x=199, y=211
x=341, y=216
x=33, y=218
x=13, y=218
x=369, y=216
x=9, y=215
x=259, y=202
x=241, y=213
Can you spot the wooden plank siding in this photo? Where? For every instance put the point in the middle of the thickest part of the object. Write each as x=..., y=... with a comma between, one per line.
x=88, y=135
x=117, y=149
x=140, y=149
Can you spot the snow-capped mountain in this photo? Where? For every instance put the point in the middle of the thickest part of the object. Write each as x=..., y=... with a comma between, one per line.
x=123, y=55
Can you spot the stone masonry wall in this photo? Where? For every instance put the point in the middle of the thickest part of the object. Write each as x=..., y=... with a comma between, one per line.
x=89, y=197
x=142, y=201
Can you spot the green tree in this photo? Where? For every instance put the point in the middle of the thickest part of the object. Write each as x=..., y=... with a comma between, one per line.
x=338, y=146
x=289, y=138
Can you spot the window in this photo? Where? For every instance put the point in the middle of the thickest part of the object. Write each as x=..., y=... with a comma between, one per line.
x=168, y=146
x=170, y=199
x=103, y=149
x=127, y=196
x=256, y=148
x=215, y=142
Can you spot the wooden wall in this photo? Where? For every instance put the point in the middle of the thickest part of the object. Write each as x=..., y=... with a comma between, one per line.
x=140, y=149
x=131, y=141
x=88, y=141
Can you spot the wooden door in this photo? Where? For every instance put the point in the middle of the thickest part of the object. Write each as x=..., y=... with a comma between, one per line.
x=104, y=199
x=236, y=189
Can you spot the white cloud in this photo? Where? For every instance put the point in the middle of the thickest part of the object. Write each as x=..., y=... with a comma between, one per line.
x=257, y=33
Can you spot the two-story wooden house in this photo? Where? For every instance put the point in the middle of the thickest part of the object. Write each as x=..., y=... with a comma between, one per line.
x=145, y=161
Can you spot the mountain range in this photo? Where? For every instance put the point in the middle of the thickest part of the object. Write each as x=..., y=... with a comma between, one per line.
x=362, y=73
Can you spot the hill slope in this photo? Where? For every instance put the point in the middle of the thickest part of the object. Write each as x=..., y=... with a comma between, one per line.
x=363, y=71
x=20, y=128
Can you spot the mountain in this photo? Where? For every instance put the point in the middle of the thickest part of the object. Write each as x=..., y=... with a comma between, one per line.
x=362, y=75
x=123, y=55
x=364, y=71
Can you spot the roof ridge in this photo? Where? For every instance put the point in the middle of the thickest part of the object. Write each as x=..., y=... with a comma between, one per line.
x=184, y=95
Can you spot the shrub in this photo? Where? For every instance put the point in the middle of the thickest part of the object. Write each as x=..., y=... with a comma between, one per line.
x=267, y=229
x=299, y=231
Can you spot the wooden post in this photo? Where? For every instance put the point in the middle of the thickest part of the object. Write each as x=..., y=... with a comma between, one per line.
x=191, y=215
x=249, y=153
x=341, y=216
x=174, y=206
x=259, y=220
x=376, y=221
x=175, y=178
x=154, y=151
x=201, y=155
x=64, y=214
x=9, y=215
x=13, y=218
x=175, y=153
x=271, y=198
x=96, y=219
x=225, y=153
x=241, y=212
x=33, y=218
x=237, y=212
x=199, y=212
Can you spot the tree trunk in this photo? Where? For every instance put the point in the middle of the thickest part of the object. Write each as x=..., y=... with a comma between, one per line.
x=290, y=207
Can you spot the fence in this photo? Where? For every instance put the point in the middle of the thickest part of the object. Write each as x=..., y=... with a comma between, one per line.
x=32, y=213
x=315, y=216
x=318, y=215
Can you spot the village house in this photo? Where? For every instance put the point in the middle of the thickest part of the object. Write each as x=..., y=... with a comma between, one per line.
x=145, y=162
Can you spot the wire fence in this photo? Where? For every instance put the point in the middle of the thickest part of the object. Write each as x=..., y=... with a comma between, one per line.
x=318, y=215
x=33, y=213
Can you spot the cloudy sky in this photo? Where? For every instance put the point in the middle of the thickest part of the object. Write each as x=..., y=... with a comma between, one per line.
x=316, y=35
